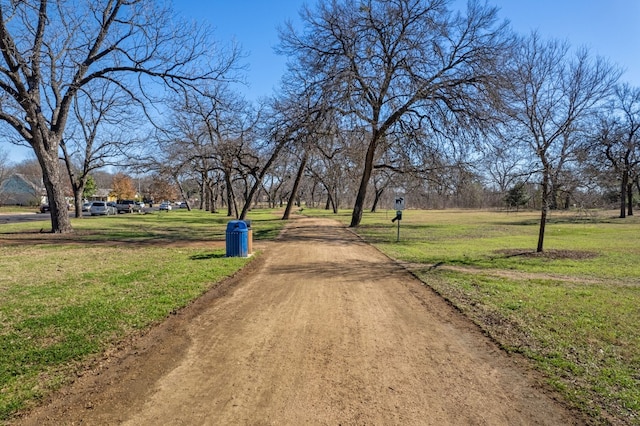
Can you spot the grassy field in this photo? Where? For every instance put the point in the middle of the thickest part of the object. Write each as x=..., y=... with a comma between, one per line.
x=66, y=298
x=574, y=311
x=19, y=209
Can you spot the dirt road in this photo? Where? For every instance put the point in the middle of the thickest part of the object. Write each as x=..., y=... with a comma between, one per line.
x=322, y=329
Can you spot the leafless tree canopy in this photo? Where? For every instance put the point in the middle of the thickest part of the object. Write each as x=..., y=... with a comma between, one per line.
x=52, y=50
x=616, y=145
x=405, y=64
x=550, y=95
x=379, y=96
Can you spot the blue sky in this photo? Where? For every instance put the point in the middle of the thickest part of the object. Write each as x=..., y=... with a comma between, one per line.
x=609, y=28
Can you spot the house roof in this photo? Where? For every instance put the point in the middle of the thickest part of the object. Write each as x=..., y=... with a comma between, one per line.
x=102, y=192
x=17, y=183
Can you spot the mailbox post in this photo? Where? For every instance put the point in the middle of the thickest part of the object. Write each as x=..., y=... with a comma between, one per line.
x=399, y=207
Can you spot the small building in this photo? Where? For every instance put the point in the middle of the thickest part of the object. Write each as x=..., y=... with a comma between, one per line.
x=18, y=190
x=102, y=194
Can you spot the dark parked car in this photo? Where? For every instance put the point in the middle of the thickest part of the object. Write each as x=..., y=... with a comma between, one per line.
x=44, y=208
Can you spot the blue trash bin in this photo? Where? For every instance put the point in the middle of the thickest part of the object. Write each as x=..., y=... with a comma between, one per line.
x=237, y=239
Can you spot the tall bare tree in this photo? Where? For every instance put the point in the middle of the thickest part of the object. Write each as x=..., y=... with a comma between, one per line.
x=398, y=63
x=208, y=133
x=550, y=92
x=53, y=49
x=618, y=141
x=101, y=132
x=314, y=123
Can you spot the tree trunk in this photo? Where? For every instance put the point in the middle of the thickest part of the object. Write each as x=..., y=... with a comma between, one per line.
x=294, y=190
x=60, y=222
x=183, y=195
x=235, y=207
x=203, y=191
x=543, y=223
x=206, y=198
x=313, y=194
x=213, y=195
x=356, y=217
x=623, y=194
x=630, y=199
x=335, y=201
x=212, y=198
x=553, y=197
x=376, y=200
x=545, y=211
x=78, y=201
x=259, y=178
x=76, y=185
x=230, y=196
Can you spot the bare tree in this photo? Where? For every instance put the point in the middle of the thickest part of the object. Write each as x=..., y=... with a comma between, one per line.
x=5, y=165
x=618, y=141
x=392, y=63
x=53, y=49
x=505, y=164
x=549, y=93
x=290, y=121
x=101, y=132
x=183, y=146
x=315, y=123
x=208, y=137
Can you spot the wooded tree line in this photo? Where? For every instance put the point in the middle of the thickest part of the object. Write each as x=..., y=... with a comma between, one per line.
x=380, y=98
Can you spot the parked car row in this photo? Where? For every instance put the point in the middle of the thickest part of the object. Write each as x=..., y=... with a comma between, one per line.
x=167, y=205
x=129, y=206
x=105, y=208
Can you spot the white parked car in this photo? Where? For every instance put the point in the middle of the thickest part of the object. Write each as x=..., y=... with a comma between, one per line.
x=102, y=208
x=165, y=206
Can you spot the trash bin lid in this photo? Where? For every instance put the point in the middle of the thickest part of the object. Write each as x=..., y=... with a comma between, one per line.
x=236, y=225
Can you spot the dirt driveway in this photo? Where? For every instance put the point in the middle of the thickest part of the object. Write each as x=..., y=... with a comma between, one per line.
x=322, y=329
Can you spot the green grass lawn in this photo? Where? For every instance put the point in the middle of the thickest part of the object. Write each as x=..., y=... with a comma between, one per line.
x=66, y=298
x=19, y=209
x=574, y=311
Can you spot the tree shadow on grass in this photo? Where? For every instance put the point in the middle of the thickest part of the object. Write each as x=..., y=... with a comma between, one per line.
x=547, y=254
x=207, y=256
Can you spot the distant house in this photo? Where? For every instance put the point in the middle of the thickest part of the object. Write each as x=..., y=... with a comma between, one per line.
x=102, y=194
x=18, y=190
